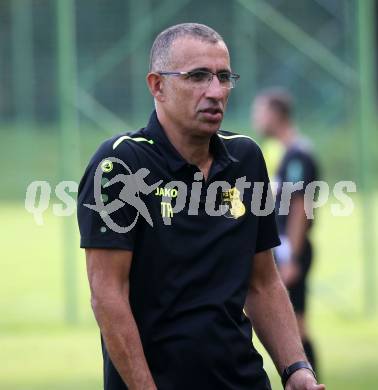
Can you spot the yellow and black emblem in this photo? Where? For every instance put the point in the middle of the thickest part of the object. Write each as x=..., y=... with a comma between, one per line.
x=231, y=200
x=106, y=166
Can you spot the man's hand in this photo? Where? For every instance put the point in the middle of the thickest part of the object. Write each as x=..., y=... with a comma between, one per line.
x=303, y=380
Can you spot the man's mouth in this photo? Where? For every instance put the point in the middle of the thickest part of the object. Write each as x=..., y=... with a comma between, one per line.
x=213, y=113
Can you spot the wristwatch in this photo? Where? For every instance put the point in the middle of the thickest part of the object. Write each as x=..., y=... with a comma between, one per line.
x=288, y=371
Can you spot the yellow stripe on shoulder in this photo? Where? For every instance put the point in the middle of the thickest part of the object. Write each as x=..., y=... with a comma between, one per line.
x=136, y=139
x=234, y=136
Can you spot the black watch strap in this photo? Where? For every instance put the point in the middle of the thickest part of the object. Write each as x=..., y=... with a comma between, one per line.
x=288, y=371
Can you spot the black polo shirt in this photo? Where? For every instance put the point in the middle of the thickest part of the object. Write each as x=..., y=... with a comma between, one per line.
x=190, y=270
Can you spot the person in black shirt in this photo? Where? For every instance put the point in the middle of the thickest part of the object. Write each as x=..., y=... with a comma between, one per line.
x=273, y=117
x=174, y=251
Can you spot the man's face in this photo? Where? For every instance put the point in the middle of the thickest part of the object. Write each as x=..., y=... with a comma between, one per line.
x=264, y=119
x=194, y=109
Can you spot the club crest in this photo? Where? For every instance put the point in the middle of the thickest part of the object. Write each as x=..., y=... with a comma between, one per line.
x=232, y=203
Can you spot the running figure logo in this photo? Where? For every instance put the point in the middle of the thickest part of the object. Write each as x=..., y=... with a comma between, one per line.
x=133, y=184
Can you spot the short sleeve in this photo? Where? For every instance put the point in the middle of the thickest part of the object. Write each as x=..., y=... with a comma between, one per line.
x=267, y=234
x=105, y=221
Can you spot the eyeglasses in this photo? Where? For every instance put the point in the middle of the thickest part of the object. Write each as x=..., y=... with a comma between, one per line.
x=203, y=78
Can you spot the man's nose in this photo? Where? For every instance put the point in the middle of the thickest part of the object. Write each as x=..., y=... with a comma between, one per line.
x=215, y=89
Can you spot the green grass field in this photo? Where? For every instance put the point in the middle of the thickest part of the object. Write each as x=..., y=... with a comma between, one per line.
x=38, y=351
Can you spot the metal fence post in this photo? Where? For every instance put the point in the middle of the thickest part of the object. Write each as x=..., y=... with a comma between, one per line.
x=367, y=104
x=69, y=147
x=22, y=60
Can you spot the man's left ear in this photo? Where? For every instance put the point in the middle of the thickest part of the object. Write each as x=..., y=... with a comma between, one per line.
x=155, y=85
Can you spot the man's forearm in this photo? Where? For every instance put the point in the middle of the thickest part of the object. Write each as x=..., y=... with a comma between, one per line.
x=297, y=225
x=273, y=319
x=122, y=339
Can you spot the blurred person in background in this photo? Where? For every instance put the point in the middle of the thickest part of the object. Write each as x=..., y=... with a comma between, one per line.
x=272, y=116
